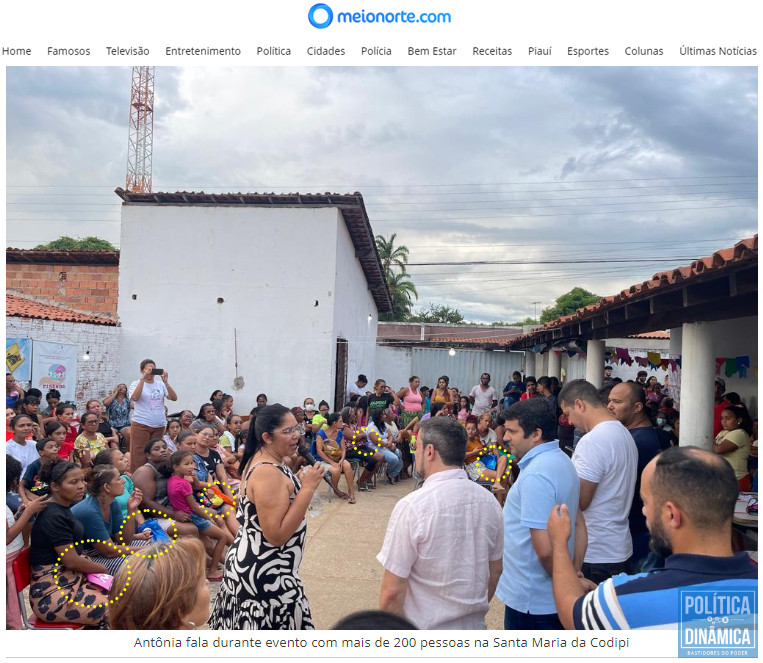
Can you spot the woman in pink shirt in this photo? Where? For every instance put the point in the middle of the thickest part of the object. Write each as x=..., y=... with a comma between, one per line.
x=413, y=402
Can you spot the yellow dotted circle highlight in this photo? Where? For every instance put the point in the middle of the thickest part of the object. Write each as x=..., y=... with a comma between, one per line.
x=231, y=507
x=484, y=451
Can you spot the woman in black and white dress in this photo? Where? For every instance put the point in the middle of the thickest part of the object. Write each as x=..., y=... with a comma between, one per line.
x=261, y=588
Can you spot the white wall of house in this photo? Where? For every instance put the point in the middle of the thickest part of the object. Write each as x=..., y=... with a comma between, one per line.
x=353, y=304
x=276, y=270
x=97, y=377
x=732, y=338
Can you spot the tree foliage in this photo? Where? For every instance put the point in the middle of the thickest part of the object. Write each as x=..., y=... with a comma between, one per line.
x=569, y=303
x=403, y=293
x=66, y=243
x=438, y=314
x=391, y=255
x=519, y=323
x=401, y=288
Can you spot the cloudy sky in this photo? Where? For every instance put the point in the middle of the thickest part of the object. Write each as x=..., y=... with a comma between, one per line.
x=552, y=170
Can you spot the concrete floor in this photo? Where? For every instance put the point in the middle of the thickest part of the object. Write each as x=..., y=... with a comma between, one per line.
x=339, y=568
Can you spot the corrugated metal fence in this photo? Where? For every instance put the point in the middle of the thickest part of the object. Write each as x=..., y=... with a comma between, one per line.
x=464, y=369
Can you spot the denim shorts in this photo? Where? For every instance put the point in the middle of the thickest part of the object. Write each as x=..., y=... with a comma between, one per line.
x=201, y=523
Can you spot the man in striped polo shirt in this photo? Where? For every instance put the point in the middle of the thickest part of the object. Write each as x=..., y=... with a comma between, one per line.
x=689, y=496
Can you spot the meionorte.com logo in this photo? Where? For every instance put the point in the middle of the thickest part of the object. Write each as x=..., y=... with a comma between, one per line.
x=321, y=16
x=323, y=11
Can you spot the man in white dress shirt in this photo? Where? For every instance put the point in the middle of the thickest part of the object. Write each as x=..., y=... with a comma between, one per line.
x=442, y=551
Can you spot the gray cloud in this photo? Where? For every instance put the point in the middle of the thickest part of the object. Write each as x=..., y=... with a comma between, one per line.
x=387, y=131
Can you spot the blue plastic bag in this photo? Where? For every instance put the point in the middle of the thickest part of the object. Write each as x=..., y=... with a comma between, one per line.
x=490, y=462
x=158, y=535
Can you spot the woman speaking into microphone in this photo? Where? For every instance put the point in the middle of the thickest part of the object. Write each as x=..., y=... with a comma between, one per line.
x=261, y=588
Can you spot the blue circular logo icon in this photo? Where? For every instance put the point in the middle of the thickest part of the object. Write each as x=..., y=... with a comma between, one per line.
x=329, y=15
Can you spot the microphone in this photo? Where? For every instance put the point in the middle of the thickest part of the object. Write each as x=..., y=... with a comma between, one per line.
x=304, y=451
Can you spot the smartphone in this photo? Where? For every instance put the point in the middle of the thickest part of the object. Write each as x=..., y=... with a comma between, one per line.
x=157, y=371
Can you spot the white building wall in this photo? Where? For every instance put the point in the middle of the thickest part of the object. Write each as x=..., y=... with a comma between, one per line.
x=274, y=269
x=353, y=304
x=734, y=338
x=395, y=365
x=97, y=377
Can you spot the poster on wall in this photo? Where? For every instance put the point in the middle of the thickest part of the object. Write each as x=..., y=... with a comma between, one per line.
x=55, y=367
x=18, y=358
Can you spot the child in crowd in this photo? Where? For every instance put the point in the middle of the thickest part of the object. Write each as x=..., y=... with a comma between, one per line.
x=31, y=485
x=233, y=426
x=14, y=539
x=180, y=493
x=173, y=430
x=225, y=449
x=52, y=398
x=65, y=415
x=464, y=409
x=424, y=391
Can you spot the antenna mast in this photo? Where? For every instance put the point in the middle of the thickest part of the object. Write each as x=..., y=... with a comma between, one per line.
x=140, y=145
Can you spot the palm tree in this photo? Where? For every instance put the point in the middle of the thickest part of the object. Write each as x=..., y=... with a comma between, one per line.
x=403, y=292
x=390, y=254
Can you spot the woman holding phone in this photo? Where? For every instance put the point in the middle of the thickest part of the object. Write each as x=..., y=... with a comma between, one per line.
x=148, y=417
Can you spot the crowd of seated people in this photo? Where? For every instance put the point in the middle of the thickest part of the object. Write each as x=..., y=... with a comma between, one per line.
x=74, y=501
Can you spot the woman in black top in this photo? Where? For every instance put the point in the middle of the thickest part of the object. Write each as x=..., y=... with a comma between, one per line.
x=60, y=591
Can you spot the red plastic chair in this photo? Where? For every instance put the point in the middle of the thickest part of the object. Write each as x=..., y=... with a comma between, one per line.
x=22, y=576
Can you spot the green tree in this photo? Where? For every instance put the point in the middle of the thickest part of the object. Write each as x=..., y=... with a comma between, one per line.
x=66, y=243
x=440, y=314
x=401, y=288
x=403, y=292
x=569, y=303
x=391, y=255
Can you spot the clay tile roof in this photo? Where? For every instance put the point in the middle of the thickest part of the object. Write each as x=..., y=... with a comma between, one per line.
x=743, y=251
x=21, y=307
x=661, y=335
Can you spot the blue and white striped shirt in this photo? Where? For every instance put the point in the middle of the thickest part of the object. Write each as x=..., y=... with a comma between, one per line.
x=652, y=600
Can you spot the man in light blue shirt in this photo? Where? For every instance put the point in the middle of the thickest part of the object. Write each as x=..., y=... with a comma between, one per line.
x=547, y=478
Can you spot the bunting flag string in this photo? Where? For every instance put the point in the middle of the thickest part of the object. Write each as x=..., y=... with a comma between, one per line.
x=726, y=366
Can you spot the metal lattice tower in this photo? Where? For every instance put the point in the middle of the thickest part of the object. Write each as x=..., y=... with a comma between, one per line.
x=140, y=147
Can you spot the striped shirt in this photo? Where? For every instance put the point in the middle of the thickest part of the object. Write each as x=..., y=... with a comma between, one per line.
x=651, y=600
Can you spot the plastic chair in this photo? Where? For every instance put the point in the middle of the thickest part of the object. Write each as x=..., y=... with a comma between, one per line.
x=22, y=577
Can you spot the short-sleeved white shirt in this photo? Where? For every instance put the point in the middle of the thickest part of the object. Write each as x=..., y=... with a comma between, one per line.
x=483, y=400
x=607, y=455
x=26, y=454
x=149, y=408
x=442, y=538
